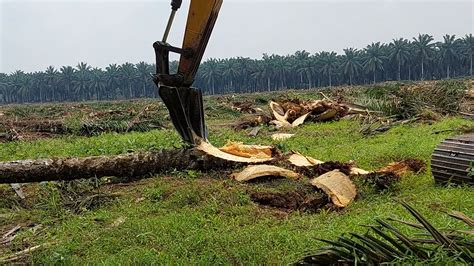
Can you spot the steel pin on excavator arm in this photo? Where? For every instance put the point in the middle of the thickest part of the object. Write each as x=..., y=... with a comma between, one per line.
x=184, y=103
x=175, y=5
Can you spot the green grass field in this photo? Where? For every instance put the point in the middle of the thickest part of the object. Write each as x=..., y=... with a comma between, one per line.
x=207, y=218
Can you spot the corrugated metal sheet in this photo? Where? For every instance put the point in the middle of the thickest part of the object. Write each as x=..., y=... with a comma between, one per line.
x=452, y=159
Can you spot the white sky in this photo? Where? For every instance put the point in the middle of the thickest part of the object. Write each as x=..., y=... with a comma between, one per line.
x=36, y=34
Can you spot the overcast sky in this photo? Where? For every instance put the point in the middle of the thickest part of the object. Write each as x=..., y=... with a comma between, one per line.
x=36, y=34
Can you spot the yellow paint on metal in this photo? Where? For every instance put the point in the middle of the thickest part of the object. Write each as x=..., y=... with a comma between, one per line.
x=201, y=19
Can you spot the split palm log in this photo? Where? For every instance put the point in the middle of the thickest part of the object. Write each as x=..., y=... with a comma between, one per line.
x=204, y=156
x=337, y=186
x=256, y=171
x=308, y=163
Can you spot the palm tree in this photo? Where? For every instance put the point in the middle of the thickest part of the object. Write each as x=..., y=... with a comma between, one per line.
x=298, y=58
x=38, y=82
x=97, y=82
x=3, y=91
x=307, y=68
x=211, y=73
x=400, y=52
x=282, y=69
x=350, y=63
x=19, y=82
x=261, y=72
x=82, y=80
x=268, y=70
x=51, y=75
x=423, y=48
x=67, y=78
x=329, y=64
x=448, y=51
x=145, y=74
x=246, y=66
x=112, y=78
x=230, y=71
x=128, y=74
x=467, y=49
x=6, y=88
x=3, y=87
x=174, y=66
x=374, y=59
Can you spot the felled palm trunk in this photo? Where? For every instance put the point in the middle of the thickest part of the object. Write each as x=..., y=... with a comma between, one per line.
x=202, y=157
x=128, y=165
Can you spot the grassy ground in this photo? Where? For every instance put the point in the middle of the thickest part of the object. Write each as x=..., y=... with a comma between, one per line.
x=206, y=218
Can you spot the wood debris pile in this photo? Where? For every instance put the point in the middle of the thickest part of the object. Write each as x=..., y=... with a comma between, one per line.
x=83, y=122
x=27, y=129
x=334, y=179
x=245, y=107
x=253, y=121
x=292, y=113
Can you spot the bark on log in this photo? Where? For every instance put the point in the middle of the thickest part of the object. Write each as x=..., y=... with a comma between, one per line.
x=128, y=165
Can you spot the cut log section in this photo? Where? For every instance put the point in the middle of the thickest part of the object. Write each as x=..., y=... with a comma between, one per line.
x=299, y=160
x=358, y=171
x=404, y=167
x=327, y=115
x=280, y=124
x=256, y=171
x=238, y=153
x=338, y=186
x=278, y=113
x=247, y=151
x=302, y=161
x=300, y=120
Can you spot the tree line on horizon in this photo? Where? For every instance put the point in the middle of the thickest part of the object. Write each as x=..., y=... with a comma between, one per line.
x=418, y=59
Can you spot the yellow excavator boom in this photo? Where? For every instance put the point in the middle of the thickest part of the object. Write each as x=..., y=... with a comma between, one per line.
x=185, y=103
x=201, y=19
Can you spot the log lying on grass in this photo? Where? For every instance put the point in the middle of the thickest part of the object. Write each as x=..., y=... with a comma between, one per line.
x=202, y=157
x=128, y=165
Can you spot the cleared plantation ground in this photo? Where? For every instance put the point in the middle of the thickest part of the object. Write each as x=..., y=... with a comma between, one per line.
x=191, y=217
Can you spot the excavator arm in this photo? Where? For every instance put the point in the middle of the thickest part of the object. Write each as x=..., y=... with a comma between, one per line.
x=184, y=103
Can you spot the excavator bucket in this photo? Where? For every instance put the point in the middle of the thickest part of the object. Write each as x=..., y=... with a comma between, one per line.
x=184, y=103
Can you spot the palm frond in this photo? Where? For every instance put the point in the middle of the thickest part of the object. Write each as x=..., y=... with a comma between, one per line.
x=385, y=243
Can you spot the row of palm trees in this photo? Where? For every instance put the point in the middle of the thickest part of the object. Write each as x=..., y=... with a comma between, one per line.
x=81, y=83
x=418, y=59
